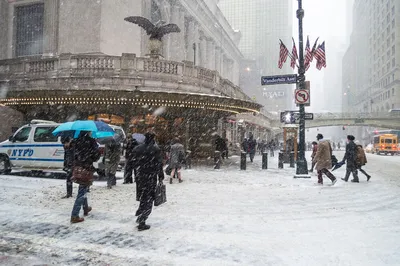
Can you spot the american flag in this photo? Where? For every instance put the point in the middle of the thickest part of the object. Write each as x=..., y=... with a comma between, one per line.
x=320, y=56
x=283, y=55
x=309, y=56
x=294, y=56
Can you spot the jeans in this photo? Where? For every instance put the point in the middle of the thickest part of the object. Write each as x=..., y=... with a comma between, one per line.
x=81, y=200
x=351, y=170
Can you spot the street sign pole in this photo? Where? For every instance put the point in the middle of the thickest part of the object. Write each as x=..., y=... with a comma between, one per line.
x=301, y=167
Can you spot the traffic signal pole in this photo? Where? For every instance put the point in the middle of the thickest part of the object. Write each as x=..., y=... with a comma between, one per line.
x=301, y=167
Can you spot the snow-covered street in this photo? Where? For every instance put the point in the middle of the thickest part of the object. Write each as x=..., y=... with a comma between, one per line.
x=215, y=217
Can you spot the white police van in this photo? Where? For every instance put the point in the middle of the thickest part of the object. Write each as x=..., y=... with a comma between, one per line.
x=34, y=147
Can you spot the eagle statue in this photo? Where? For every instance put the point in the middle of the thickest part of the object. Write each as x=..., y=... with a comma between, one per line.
x=156, y=32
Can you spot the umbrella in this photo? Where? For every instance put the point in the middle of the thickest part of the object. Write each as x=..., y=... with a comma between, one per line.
x=139, y=137
x=99, y=129
x=338, y=165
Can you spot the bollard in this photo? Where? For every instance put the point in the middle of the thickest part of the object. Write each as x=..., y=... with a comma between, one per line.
x=243, y=161
x=291, y=160
x=188, y=159
x=280, y=160
x=217, y=160
x=265, y=160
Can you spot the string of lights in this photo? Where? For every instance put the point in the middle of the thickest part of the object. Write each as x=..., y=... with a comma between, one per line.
x=124, y=101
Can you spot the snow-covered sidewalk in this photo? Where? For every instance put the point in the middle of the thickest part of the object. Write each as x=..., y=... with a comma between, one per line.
x=215, y=217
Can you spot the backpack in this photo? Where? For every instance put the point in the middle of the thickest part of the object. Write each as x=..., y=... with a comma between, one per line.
x=361, y=159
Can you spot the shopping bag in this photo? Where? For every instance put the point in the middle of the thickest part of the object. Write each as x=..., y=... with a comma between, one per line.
x=168, y=170
x=161, y=194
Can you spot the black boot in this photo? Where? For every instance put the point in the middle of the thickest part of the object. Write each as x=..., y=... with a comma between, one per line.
x=355, y=181
x=143, y=226
x=344, y=179
x=368, y=177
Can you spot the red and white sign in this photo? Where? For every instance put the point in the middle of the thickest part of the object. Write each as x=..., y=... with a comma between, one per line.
x=302, y=96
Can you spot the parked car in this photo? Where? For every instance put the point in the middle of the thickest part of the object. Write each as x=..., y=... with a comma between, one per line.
x=34, y=147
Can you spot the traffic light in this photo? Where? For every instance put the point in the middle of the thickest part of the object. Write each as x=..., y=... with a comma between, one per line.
x=288, y=117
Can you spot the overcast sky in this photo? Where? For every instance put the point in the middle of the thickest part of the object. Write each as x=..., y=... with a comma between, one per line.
x=326, y=19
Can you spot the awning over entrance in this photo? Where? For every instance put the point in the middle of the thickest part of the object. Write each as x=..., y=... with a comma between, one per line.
x=106, y=99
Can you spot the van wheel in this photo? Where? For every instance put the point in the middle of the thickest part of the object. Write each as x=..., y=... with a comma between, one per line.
x=5, y=166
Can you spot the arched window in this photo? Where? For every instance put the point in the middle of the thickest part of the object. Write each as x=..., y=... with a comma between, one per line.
x=155, y=15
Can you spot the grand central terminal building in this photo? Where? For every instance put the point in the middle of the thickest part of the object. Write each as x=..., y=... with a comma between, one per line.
x=64, y=60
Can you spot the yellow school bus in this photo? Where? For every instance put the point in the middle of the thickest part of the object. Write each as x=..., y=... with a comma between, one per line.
x=385, y=143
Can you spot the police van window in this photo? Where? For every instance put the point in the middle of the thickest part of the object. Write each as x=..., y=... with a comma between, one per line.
x=44, y=134
x=23, y=134
x=388, y=140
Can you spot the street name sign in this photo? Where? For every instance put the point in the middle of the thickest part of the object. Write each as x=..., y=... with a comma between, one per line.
x=282, y=79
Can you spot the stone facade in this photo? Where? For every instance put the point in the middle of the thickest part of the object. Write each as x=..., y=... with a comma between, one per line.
x=98, y=26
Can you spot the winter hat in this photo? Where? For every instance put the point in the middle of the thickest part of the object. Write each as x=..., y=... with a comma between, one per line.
x=149, y=137
x=351, y=137
x=314, y=143
x=320, y=136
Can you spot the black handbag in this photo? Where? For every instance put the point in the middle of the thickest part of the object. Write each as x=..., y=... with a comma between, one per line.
x=161, y=194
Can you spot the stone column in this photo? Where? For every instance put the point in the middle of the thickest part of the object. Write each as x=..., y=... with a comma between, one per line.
x=218, y=60
x=202, y=50
x=191, y=40
x=50, y=41
x=210, y=54
x=177, y=39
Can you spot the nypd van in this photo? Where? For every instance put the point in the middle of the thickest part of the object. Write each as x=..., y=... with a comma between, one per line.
x=34, y=147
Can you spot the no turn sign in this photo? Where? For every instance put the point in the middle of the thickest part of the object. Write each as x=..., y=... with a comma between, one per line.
x=302, y=96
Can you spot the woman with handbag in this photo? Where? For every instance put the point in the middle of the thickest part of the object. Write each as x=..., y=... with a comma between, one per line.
x=86, y=153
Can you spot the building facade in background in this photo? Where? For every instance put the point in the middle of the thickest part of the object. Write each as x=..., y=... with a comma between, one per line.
x=373, y=58
x=371, y=64
x=262, y=23
x=63, y=60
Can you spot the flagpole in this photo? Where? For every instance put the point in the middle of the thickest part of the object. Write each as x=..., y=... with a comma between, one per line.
x=301, y=165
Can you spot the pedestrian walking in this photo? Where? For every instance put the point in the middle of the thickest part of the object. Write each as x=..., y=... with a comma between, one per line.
x=130, y=144
x=351, y=157
x=314, y=152
x=68, y=163
x=220, y=145
x=271, y=147
x=177, y=158
x=86, y=153
x=148, y=162
x=361, y=161
x=338, y=146
x=251, y=147
x=323, y=160
x=112, y=156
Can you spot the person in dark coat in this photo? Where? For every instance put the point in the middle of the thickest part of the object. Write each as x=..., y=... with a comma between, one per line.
x=112, y=153
x=130, y=144
x=251, y=147
x=68, y=163
x=86, y=153
x=148, y=163
x=350, y=157
x=220, y=145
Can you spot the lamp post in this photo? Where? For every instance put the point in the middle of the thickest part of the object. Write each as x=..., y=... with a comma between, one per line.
x=301, y=168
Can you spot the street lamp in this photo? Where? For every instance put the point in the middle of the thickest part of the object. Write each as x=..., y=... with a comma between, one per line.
x=301, y=168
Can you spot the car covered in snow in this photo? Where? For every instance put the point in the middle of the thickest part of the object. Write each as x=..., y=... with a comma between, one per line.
x=34, y=147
